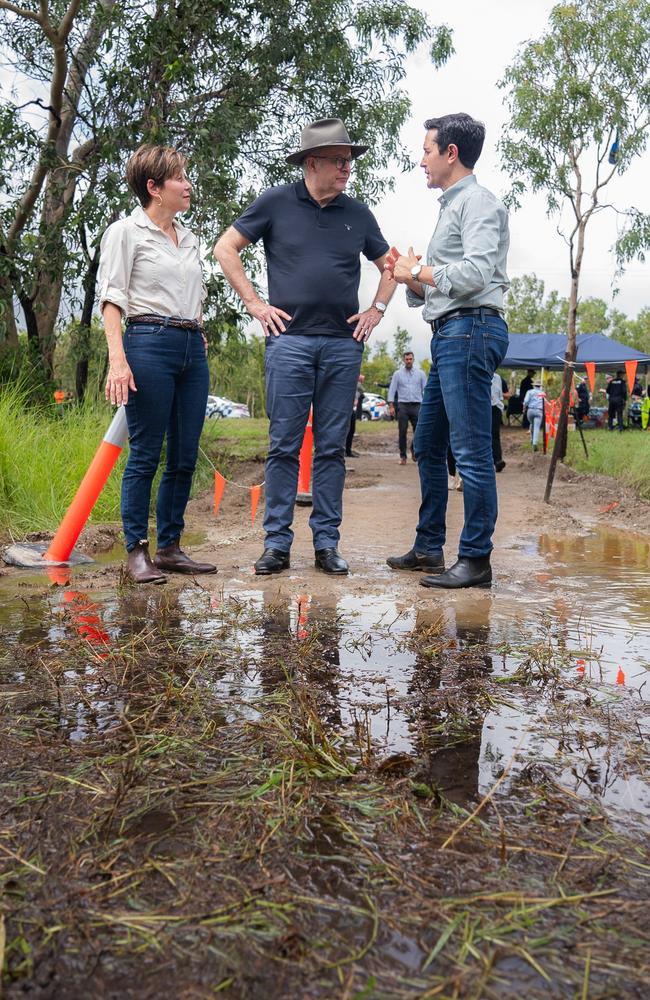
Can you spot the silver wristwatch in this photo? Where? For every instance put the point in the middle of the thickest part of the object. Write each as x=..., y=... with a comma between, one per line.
x=415, y=270
x=380, y=306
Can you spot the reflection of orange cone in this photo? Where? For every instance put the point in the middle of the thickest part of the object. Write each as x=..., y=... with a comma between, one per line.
x=89, y=489
x=303, y=497
x=86, y=619
x=620, y=677
x=304, y=603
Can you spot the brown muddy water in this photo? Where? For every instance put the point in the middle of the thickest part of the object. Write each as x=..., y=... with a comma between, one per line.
x=255, y=795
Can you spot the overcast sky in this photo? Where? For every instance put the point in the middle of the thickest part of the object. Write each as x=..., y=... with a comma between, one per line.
x=486, y=37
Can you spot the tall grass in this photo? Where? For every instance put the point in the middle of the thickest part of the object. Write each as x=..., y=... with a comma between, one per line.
x=44, y=456
x=625, y=456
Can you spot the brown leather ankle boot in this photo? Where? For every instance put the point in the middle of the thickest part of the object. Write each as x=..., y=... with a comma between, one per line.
x=173, y=560
x=140, y=567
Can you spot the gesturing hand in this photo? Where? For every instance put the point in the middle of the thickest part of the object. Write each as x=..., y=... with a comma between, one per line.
x=402, y=267
x=269, y=317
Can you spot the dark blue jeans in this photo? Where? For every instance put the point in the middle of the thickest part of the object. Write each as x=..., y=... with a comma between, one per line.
x=457, y=409
x=170, y=370
x=301, y=371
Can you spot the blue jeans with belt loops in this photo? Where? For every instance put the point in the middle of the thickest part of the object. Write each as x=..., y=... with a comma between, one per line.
x=304, y=370
x=457, y=410
x=170, y=371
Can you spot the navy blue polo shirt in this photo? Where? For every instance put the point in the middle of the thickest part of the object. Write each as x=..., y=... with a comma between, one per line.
x=312, y=255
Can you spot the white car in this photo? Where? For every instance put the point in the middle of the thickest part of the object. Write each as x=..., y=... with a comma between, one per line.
x=373, y=406
x=219, y=406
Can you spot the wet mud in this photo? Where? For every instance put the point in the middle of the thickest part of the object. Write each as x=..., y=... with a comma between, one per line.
x=275, y=791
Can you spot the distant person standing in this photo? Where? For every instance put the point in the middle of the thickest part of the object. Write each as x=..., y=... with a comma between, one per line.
x=408, y=385
x=617, y=395
x=357, y=411
x=534, y=410
x=499, y=391
x=526, y=384
x=582, y=409
x=645, y=412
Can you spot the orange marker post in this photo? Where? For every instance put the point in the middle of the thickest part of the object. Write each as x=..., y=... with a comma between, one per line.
x=89, y=489
x=304, y=470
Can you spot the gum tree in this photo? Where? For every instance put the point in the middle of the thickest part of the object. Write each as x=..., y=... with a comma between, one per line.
x=230, y=82
x=579, y=100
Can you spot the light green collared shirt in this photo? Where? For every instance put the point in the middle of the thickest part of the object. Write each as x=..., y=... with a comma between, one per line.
x=467, y=252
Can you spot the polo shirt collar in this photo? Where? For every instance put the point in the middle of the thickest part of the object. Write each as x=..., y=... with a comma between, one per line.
x=452, y=192
x=302, y=192
x=141, y=219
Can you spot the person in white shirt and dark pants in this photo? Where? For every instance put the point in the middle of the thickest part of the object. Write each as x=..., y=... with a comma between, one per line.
x=151, y=276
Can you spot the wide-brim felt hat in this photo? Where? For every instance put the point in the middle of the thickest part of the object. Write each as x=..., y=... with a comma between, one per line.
x=322, y=133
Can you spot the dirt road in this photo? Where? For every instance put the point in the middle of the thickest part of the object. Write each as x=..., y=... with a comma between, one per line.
x=380, y=512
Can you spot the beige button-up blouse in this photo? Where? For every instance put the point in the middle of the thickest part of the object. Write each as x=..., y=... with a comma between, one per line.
x=143, y=272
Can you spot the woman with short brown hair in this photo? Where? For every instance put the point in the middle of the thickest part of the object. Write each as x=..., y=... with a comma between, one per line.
x=151, y=275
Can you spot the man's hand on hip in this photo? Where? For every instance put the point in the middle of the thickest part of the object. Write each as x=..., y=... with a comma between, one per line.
x=269, y=317
x=365, y=323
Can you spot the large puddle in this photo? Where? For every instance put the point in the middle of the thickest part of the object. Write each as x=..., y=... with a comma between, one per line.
x=452, y=694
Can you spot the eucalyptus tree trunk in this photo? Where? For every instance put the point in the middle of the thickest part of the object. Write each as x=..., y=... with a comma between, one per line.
x=560, y=445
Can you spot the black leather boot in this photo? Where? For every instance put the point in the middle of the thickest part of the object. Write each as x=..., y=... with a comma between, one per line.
x=464, y=573
x=173, y=560
x=431, y=562
x=140, y=567
x=331, y=562
x=271, y=561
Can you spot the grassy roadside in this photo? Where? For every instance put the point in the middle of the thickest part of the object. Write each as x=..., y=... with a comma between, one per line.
x=44, y=456
x=625, y=456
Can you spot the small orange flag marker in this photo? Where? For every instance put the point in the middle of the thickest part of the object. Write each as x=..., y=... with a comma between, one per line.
x=219, y=487
x=255, y=499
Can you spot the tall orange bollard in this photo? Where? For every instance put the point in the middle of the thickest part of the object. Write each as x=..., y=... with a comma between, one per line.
x=303, y=497
x=89, y=489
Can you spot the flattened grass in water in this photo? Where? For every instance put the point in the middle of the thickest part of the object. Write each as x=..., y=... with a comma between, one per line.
x=216, y=829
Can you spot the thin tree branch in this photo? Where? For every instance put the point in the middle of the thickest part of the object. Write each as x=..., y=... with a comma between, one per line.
x=29, y=15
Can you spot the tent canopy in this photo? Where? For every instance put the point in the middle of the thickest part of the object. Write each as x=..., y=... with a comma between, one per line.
x=547, y=350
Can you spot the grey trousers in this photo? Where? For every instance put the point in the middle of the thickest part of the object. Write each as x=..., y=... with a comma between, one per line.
x=303, y=371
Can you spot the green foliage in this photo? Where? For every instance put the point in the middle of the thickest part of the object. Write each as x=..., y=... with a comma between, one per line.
x=624, y=456
x=230, y=83
x=37, y=482
x=378, y=367
x=573, y=92
x=529, y=310
x=401, y=343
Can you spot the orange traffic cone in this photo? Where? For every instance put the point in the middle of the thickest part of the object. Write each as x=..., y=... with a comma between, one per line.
x=303, y=497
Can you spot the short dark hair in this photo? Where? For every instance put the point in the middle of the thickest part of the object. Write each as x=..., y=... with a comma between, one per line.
x=408, y=354
x=156, y=163
x=464, y=131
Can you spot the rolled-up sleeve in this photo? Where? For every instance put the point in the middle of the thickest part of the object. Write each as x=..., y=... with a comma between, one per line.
x=482, y=225
x=115, y=264
x=413, y=300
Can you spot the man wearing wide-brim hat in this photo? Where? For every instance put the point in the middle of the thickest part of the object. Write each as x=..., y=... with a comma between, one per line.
x=313, y=236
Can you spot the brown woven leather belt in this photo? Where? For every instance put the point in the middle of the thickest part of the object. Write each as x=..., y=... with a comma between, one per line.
x=182, y=324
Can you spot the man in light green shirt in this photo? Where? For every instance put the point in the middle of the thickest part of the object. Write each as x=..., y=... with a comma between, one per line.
x=460, y=289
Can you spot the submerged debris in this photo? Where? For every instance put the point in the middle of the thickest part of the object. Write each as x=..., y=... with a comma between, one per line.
x=277, y=800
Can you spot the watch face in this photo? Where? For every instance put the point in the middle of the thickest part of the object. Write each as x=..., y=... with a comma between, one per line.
x=381, y=306
x=415, y=270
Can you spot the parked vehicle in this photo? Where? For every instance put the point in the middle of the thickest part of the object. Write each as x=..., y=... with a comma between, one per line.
x=373, y=407
x=634, y=414
x=219, y=406
x=597, y=417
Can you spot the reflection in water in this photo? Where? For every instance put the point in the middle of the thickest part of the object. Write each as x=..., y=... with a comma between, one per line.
x=400, y=687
